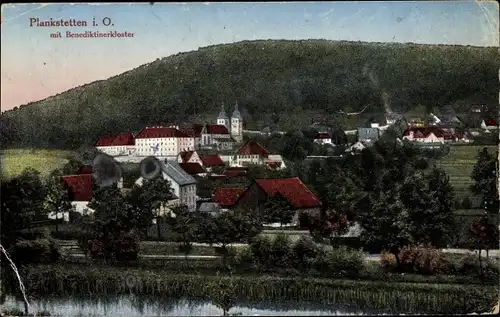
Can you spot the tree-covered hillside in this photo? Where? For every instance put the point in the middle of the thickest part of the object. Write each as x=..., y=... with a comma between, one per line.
x=294, y=79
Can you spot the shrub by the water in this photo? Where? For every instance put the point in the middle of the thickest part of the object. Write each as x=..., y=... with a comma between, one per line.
x=421, y=260
x=281, y=251
x=340, y=261
x=305, y=252
x=35, y=251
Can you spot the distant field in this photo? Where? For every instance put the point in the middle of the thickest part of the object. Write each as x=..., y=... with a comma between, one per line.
x=14, y=161
x=459, y=164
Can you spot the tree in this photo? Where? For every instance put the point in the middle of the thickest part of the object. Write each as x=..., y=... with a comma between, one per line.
x=387, y=224
x=239, y=225
x=114, y=224
x=184, y=224
x=57, y=198
x=22, y=203
x=485, y=177
x=149, y=199
x=483, y=235
x=278, y=209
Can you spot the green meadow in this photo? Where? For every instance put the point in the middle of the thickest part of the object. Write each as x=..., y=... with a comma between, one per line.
x=459, y=164
x=14, y=161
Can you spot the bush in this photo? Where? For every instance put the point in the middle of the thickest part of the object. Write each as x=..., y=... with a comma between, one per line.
x=304, y=252
x=281, y=252
x=418, y=260
x=340, y=262
x=469, y=266
x=35, y=251
x=126, y=247
x=260, y=247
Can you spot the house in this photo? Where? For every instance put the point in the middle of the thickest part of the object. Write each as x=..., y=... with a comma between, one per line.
x=368, y=134
x=210, y=161
x=323, y=138
x=214, y=131
x=104, y=144
x=300, y=198
x=224, y=144
x=183, y=185
x=275, y=162
x=227, y=197
x=193, y=169
x=80, y=190
x=425, y=134
x=489, y=124
x=231, y=172
x=208, y=207
x=124, y=144
x=161, y=141
x=251, y=153
x=189, y=157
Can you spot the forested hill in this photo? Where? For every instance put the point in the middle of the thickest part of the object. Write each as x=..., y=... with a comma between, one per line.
x=290, y=78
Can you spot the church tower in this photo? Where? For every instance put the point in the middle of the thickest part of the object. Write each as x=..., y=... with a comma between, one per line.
x=223, y=119
x=236, y=124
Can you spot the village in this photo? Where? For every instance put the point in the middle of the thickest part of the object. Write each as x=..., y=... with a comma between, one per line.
x=217, y=151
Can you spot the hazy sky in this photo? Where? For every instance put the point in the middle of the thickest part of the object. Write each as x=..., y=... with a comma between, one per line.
x=34, y=66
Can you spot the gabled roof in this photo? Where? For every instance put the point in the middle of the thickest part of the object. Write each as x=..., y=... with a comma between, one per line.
x=216, y=129
x=292, y=189
x=227, y=196
x=104, y=141
x=175, y=171
x=490, y=122
x=252, y=148
x=186, y=155
x=79, y=187
x=323, y=136
x=160, y=132
x=126, y=138
x=85, y=169
x=210, y=160
x=192, y=168
x=423, y=132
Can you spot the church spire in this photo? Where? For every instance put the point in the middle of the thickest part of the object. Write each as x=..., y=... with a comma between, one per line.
x=236, y=112
x=222, y=113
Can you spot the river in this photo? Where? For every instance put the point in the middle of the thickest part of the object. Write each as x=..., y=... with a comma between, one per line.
x=133, y=305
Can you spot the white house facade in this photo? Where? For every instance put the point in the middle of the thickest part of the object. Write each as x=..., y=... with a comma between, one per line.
x=160, y=141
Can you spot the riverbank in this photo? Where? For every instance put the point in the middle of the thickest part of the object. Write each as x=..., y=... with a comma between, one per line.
x=389, y=297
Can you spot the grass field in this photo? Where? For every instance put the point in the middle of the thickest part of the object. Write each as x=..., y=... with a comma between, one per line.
x=14, y=161
x=459, y=164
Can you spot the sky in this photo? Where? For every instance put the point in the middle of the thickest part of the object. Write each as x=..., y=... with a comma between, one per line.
x=35, y=66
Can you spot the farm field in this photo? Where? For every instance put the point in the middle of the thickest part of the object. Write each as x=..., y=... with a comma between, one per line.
x=14, y=161
x=459, y=163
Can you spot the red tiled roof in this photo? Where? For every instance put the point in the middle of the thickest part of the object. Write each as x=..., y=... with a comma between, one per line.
x=231, y=172
x=192, y=168
x=85, y=169
x=217, y=129
x=323, y=136
x=212, y=160
x=421, y=132
x=79, y=187
x=292, y=189
x=227, y=196
x=491, y=123
x=218, y=176
x=126, y=138
x=252, y=148
x=160, y=132
x=186, y=155
x=105, y=141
